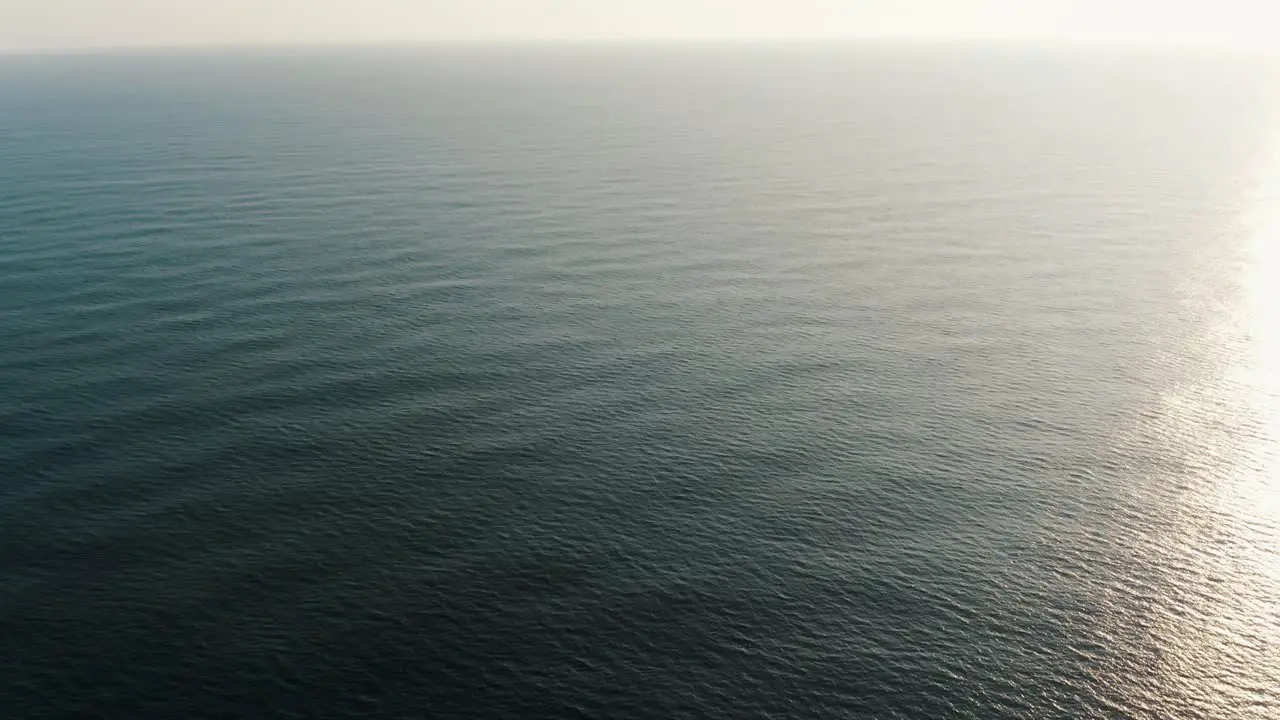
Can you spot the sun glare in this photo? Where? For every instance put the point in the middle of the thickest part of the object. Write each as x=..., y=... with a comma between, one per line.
x=1259, y=372
x=1259, y=368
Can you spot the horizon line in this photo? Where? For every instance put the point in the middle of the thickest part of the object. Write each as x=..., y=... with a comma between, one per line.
x=1043, y=42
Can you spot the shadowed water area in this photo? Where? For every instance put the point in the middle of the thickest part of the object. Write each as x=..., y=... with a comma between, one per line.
x=640, y=383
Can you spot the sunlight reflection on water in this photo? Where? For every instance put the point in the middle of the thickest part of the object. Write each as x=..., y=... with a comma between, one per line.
x=1236, y=647
x=1210, y=543
x=1260, y=373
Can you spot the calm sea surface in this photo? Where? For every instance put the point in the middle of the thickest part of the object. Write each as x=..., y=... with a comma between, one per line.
x=640, y=383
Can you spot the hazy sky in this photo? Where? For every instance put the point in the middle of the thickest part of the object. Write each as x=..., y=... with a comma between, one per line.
x=47, y=24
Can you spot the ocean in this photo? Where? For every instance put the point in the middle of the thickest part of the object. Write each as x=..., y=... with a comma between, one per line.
x=869, y=381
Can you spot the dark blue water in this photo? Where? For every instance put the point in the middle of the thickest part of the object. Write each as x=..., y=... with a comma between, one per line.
x=654, y=383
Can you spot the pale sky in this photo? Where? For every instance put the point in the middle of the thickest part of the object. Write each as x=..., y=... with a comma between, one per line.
x=77, y=24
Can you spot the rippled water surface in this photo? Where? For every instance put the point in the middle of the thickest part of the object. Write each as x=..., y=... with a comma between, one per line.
x=654, y=383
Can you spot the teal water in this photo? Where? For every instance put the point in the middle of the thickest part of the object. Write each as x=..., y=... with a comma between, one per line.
x=719, y=382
